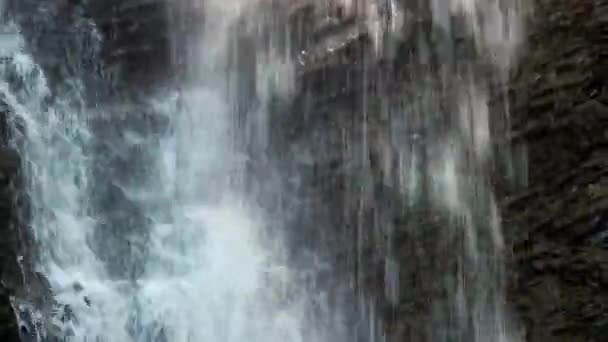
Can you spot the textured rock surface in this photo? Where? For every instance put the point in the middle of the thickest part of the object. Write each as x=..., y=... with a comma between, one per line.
x=560, y=220
x=14, y=238
x=122, y=149
x=128, y=48
x=9, y=268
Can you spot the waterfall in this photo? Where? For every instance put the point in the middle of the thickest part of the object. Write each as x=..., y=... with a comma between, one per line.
x=165, y=219
x=442, y=152
x=142, y=229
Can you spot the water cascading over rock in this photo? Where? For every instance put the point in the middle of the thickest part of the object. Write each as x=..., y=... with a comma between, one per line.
x=403, y=113
x=143, y=228
x=310, y=172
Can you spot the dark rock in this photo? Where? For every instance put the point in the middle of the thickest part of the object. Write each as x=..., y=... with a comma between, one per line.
x=558, y=222
x=11, y=274
x=137, y=40
x=9, y=328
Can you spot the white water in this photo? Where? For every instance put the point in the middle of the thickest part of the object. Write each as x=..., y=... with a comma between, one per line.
x=214, y=268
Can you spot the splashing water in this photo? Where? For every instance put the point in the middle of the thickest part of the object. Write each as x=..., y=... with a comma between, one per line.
x=167, y=250
x=146, y=233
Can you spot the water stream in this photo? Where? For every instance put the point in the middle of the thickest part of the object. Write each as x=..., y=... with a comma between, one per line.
x=150, y=226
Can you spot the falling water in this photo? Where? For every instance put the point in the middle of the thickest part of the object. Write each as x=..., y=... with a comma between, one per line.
x=443, y=137
x=151, y=226
x=143, y=230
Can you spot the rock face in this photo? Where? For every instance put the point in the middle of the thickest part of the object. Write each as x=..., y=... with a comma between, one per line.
x=119, y=164
x=16, y=250
x=9, y=267
x=559, y=222
x=128, y=48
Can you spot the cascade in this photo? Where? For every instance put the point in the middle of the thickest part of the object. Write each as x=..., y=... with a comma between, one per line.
x=189, y=213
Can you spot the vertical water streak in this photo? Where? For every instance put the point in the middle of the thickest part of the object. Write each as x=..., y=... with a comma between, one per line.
x=460, y=61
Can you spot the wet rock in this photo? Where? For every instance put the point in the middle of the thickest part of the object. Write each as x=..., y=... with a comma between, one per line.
x=9, y=328
x=558, y=222
x=11, y=274
x=61, y=40
x=136, y=39
x=124, y=143
x=120, y=236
